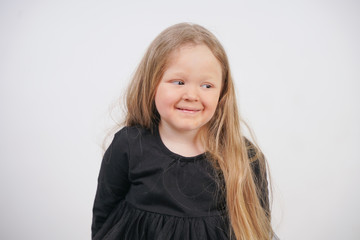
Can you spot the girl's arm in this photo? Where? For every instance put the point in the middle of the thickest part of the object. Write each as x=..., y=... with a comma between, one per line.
x=113, y=181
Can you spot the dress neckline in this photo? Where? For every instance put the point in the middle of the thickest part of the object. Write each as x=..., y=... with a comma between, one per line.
x=170, y=153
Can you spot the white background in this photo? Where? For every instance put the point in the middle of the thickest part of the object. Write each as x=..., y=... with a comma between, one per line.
x=296, y=66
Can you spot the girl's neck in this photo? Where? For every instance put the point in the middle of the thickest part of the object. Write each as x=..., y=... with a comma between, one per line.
x=184, y=143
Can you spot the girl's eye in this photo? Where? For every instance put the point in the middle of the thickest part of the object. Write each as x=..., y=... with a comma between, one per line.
x=178, y=82
x=206, y=86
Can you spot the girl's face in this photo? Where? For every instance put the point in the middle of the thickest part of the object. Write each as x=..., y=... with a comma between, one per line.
x=188, y=93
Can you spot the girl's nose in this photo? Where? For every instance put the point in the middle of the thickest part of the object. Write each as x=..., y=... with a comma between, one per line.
x=191, y=94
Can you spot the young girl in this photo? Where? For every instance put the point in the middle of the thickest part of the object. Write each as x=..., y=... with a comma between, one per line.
x=181, y=168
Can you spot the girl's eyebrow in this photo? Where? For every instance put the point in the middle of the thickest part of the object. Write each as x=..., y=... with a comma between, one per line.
x=181, y=74
x=178, y=73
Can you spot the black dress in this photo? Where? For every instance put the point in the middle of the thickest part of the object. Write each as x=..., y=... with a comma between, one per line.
x=145, y=191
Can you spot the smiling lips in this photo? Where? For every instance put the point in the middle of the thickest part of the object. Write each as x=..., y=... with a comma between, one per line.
x=188, y=110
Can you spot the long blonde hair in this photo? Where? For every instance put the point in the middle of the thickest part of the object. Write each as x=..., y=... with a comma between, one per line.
x=222, y=136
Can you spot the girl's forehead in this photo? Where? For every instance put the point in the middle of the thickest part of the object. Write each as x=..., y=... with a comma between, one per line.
x=176, y=53
x=178, y=49
x=194, y=61
x=174, y=57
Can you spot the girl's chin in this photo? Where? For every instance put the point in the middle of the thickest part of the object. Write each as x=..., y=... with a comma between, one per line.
x=188, y=128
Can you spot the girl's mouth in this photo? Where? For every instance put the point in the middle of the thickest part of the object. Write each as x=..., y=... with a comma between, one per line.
x=188, y=110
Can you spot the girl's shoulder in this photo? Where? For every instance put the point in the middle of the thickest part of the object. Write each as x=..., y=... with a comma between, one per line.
x=132, y=131
x=253, y=152
x=133, y=137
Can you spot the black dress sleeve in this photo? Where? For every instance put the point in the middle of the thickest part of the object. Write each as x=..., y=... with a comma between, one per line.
x=113, y=181
x=258, y=166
